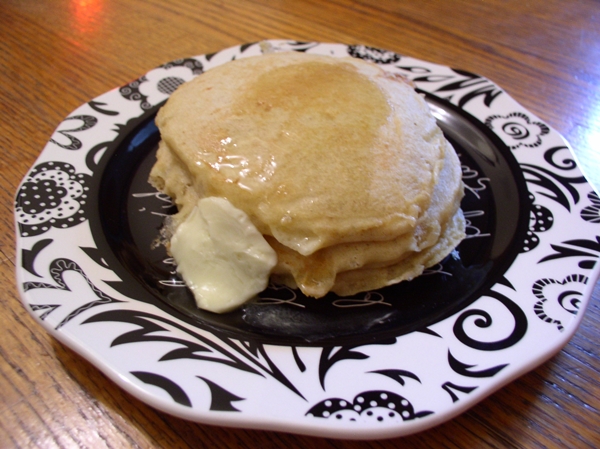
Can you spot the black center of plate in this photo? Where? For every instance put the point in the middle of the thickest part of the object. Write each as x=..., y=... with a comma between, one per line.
x=131, y=213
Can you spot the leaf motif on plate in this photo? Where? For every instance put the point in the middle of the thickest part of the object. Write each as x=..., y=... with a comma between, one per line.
x=175, y=391
x=554, y=186
x=332, y=355
x=466, y=370
x=28, y=256
x=57, y=269
x=589, y=250
x=150, y=328
x=252, y=358
x=450, y=388
x=397, y=374
x=86, y=122
x=98, y=106
x=221, y=399
x=169, y=340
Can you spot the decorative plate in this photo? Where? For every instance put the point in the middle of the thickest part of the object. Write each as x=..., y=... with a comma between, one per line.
x=376, y=365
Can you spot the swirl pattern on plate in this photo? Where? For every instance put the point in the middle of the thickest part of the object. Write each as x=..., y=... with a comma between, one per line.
x=523, y=278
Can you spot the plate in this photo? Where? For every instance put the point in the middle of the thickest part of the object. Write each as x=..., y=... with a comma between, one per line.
x=380, y=364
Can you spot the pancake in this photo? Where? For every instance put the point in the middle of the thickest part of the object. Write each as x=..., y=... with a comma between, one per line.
x=339, y=164
x=438, y=231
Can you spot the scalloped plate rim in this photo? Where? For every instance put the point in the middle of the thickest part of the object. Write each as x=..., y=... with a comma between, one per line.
x=319, y=428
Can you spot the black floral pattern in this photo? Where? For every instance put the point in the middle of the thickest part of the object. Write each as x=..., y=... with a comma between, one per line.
x=62, y=293
x=565, y=301
x=377, y=406
x=540, y=220
x=52, y=195
x=518, y=130
x=592, y=213
x=165, y=85
x=373, y=54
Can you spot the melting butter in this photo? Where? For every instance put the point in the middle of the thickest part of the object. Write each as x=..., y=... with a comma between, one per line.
x=222, y=257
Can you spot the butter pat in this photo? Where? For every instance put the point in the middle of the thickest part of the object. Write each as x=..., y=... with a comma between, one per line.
x=222, y=257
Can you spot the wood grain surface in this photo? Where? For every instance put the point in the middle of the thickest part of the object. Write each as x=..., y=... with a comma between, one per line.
x=57, y=54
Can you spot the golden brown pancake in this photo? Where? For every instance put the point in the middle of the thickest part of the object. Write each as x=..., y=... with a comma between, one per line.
x=338, y=163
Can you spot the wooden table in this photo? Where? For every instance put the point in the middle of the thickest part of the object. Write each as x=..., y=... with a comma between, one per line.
x=58, y=54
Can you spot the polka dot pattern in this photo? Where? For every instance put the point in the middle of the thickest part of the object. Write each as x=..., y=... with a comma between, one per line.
x=540, y=220
x=144, y=88
x=52, y=195
x=370, y=406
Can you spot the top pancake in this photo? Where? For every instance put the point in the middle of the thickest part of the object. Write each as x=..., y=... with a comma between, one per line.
x=318, y=151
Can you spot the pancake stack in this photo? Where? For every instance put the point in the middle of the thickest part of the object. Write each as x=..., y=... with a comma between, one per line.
x=338, y=163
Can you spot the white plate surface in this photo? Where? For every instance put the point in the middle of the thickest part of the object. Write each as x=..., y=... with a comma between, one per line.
x=370, y=388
